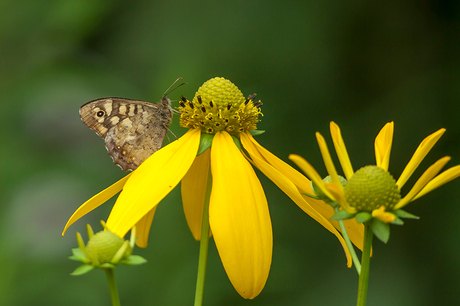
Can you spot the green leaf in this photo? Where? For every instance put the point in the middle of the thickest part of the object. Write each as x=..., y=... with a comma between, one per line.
x=404, y=214
x=342, y=215
x=380, y=229
x=256, y=132
x=237, y=142
x=133, y=260
x=363, y=216
x=82, y=270
x=205, y=143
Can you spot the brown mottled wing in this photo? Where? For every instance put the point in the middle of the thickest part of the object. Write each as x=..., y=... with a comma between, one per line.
x=133, y=130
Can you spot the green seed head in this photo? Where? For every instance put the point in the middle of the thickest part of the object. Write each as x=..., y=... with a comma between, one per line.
x=219, y=105
x=371, y=187
x=103, y=246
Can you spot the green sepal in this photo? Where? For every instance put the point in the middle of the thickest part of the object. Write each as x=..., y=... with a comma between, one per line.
x=397, y=221
x=78, y=255
x=363, y=216
x=205, y=143
x=311, y=196
x=342, y=215
x=133, y=260
x=237, y=142
x=82, y=270
x=404, y=214
x=380, y=229
x=106, y=265
x=256, y=132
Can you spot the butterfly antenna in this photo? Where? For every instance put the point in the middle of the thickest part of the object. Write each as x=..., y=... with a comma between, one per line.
x=171, y=133
x=168, y=91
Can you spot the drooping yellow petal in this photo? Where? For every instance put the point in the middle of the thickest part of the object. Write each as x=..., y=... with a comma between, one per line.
x=96, y=201
x=193, y=189
x=311, y=173
x=341, y=150
x=443, y=178
x=143, y=228
x=282, y=175
x=339, y=196
x=152, y=181
x=327, y=159
x=382, y=215
x=431, y=172
x=239, y=218
x=382, y=145
x=418, y=156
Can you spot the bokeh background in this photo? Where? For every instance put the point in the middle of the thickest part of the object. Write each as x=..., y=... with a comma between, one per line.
x=310, y=62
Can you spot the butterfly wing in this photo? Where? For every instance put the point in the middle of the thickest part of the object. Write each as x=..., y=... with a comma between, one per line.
x=133, y=130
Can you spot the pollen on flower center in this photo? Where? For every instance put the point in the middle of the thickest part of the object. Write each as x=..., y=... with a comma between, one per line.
x=371, y=187
x=219, y=105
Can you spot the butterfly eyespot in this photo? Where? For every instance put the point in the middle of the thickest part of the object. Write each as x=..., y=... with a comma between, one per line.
x=100, y=113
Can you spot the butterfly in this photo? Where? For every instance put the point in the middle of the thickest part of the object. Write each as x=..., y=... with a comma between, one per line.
x=133, y=130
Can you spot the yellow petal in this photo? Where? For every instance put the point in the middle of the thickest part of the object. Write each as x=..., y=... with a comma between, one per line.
x=382, y=215
x=431, y=172
x=239, y=218
x=96, y=201
x=152, y=181
x=193, y=189
x=443, y=178
x=327, y=159
x=382, y=145
x=281, y=176
x=311, y=173
x=341, y=150
x=418, y=156
x=143, y=228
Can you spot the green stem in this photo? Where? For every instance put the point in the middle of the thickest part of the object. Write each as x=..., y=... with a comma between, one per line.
x=112, y=287
x=365, y=261
x=354, y=257
x=204, y=246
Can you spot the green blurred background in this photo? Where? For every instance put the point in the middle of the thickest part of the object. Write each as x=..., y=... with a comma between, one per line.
x=310, y=62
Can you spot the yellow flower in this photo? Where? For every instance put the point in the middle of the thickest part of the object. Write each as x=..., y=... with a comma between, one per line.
x=372, y=188
x=238, y=211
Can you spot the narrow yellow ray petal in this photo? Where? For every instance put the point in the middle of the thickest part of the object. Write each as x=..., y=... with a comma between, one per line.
x=341, y=150
x=327, y=159
x=295, y=176
x=239, y=218
x=382, y=215
x=193, y=189
x=443, y=178
x=418, y=156
x=96, y=201
x=431, y=172
x=316, y=209
x=143, y=228
x=152, y=181
x=354, y=229
x=382, y=145
x=311, y=173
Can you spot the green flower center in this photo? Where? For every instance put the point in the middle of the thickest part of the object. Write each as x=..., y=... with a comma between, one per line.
x=103, y=246
x=371, y=187
x=219, y=105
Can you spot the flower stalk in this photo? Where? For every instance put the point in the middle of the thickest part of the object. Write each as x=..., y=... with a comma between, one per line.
x=365, y=261
x=112, y=286
x=204, y=246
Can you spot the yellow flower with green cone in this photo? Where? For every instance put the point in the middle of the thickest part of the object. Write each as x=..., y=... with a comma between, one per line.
x=371, y=192
x=217, y=151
